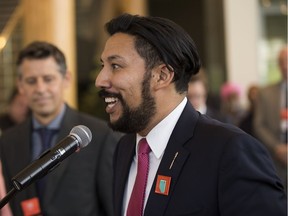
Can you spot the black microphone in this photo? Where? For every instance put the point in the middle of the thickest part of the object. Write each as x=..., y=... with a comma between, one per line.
x=80, y=136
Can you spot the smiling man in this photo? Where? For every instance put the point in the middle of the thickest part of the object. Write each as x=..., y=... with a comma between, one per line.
x=174, y=160
x=128, y=110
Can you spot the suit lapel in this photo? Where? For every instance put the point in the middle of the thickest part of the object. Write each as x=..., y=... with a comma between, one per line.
x=125, y=154
x=173, y=160
x=26, y=137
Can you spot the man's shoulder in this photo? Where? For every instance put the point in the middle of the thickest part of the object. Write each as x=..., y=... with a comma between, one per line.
x=15, y=136
x=17, y=129
x=6, y=122
x=84, y=117
x=4, y=117
x=217, y=128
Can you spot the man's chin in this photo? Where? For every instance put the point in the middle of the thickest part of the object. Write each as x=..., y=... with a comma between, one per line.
x=117, y=124
x=43, y=113
x=114, y=117
x=114, y=126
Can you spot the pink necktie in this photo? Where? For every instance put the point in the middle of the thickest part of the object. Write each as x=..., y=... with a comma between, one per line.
x=136, y=203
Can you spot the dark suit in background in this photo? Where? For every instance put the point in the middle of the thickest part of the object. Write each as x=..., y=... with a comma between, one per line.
x=81, y=185
x=271, y=116
x=267, y=124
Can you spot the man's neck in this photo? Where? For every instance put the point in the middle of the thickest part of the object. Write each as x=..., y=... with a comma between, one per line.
x=47, y=119
x=163, y=110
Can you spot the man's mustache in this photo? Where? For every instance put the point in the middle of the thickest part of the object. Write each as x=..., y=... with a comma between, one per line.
x=103, y=93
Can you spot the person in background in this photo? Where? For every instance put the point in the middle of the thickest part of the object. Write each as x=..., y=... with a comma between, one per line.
x=17, y=111
x=173, y=160
x=197, y=94
x=270, y=123
x=5, y=211
x=231, y=105
x=82, y=184
x=246, y=123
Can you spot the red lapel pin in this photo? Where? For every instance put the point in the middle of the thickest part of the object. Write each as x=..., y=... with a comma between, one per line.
x=163, y=185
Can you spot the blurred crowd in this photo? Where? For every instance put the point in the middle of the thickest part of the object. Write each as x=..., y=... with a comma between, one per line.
x=17, y=111
x=265, y=117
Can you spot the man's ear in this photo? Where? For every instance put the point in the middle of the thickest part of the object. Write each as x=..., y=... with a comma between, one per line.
x=67, y=79
x=19, y=85
x=162, y=76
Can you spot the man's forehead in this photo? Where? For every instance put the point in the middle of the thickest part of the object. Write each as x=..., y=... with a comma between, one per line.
x=119, y=47
x=120, y=40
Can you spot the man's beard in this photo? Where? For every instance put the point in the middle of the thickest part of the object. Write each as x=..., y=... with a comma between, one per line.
x=137, y=119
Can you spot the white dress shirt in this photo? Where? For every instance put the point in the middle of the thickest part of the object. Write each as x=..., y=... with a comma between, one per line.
x=157, y=139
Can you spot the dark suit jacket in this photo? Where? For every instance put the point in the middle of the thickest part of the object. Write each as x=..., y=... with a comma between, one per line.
x=216, y=115
x=220, y=170
x=81, y=185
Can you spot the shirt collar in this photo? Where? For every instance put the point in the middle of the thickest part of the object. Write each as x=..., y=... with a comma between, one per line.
x=202, y=109
x=165, y=128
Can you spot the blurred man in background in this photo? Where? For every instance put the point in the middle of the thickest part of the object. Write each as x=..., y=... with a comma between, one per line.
x=271, y=116
x=197, y=94
x=231, y=106
x=246, y=123
x=82, y=184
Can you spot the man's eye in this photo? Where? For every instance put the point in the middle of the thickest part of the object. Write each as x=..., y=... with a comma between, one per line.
x=115, y=66
x=48, y=79
x=30, y=81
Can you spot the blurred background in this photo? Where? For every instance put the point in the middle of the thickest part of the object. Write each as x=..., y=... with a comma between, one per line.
x=238, y=40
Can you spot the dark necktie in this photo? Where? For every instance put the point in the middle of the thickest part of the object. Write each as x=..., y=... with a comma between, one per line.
x=136, y=203
x=46, y=138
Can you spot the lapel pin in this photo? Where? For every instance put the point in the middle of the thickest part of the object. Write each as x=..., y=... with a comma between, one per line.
x=173, y=160
x=31, y=207
x=163, y=185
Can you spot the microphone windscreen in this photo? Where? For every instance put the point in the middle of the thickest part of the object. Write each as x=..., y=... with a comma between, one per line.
x=83, y=135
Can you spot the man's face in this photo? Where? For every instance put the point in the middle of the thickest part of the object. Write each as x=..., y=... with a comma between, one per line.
x=125, y=85
x=43, y=85
x=197, y=94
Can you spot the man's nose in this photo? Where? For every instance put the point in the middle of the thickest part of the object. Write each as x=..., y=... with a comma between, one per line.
x=40, y=85
x=103, y=79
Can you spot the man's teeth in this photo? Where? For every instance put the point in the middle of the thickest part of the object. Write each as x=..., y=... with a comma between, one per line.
x=111, y=100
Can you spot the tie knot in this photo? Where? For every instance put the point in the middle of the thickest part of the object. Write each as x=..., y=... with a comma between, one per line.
x=46, y=132
x=143, y=147
x=46, y=135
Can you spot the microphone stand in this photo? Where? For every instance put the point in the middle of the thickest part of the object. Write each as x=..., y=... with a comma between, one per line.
x=7, y=198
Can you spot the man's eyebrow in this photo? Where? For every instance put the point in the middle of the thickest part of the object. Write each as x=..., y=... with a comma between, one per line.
x=113, y=57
